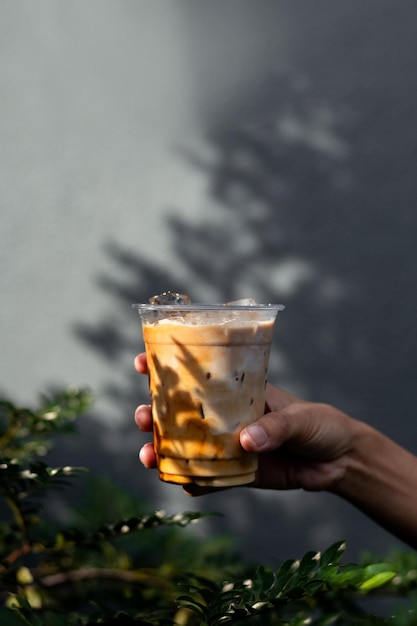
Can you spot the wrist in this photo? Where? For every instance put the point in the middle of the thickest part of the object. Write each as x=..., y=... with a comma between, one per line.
x=380, y=479
x=356, y=461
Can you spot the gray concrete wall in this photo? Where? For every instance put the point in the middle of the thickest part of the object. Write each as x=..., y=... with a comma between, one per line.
x=224, y=149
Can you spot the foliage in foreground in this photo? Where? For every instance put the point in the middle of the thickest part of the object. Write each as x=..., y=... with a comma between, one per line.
x=146, y=568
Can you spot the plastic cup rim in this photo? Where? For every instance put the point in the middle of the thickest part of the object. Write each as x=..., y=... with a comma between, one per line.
x=198, y=306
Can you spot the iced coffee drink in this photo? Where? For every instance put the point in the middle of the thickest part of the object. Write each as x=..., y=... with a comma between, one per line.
x=208, y=367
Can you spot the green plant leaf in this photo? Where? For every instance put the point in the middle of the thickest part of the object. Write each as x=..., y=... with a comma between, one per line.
x=263, y=580
x=187, y=602
x=377, y=580
x=12, y=617
x=333, y=554
x=308, y=563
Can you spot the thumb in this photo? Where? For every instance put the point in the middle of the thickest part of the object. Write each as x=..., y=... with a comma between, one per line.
x=314, y=430
x=267, y=433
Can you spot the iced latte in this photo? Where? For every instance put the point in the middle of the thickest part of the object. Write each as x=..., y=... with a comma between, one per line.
x=207, y=375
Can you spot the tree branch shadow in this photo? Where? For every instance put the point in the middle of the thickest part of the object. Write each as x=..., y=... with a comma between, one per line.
x=298, y=220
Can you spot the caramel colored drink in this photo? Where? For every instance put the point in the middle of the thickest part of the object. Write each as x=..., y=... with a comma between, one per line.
x=208, y=367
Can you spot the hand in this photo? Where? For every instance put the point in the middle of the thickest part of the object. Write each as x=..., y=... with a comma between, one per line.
x=316, y=447
x=301, y=444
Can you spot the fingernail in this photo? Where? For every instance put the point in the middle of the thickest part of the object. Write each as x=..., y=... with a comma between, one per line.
x=257, y=435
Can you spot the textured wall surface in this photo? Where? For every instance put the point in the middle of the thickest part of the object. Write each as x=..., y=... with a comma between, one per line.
x=223, y=149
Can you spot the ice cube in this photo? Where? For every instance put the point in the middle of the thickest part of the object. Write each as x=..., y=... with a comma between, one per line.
x=242, y=302
x=170, y=297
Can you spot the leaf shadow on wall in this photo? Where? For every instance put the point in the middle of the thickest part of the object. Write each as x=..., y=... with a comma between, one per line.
x=305, y=214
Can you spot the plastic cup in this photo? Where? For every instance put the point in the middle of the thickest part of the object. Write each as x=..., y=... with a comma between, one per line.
x=208, y=368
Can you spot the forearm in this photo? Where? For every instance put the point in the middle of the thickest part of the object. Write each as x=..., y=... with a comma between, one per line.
x=381, y=480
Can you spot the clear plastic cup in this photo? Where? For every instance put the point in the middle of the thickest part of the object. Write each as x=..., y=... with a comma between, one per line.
x=208, y=368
